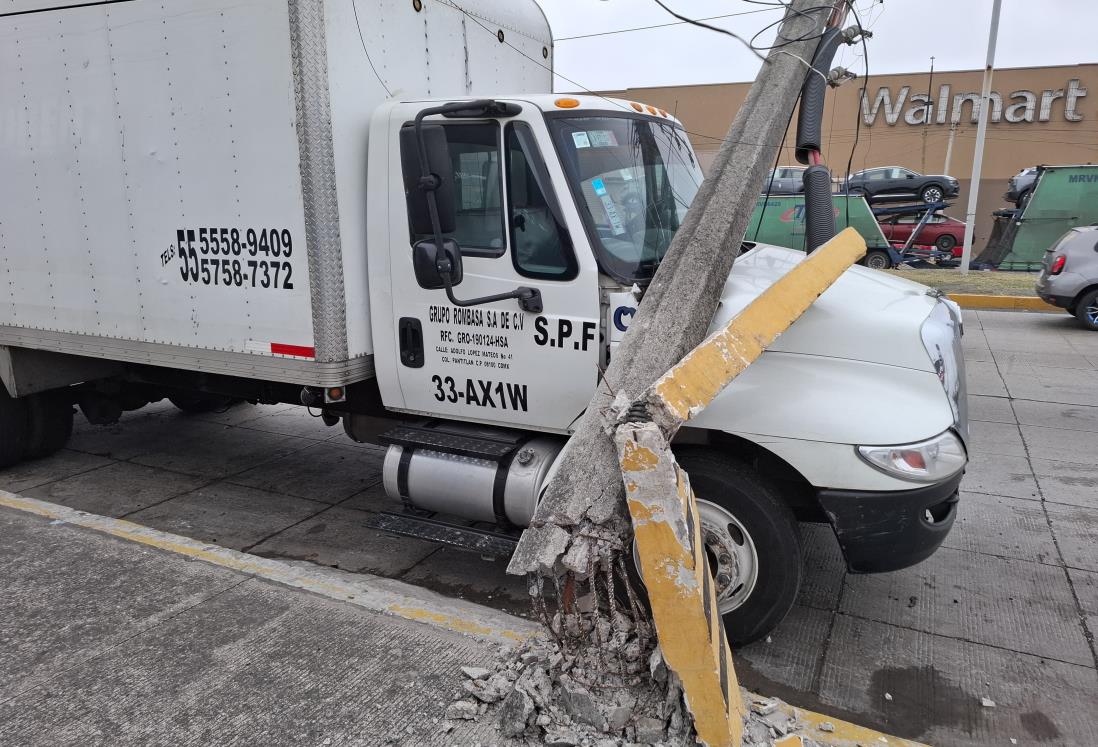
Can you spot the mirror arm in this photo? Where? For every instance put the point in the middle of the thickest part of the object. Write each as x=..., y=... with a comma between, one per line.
x=529, y=299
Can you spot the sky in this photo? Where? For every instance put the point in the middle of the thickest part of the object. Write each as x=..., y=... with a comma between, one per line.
x=906, y=33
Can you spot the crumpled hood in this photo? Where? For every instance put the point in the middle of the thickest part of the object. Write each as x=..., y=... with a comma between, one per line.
x=867, y=315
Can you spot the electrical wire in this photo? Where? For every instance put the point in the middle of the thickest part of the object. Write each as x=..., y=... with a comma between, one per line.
x=361, y=38
x=770, y=181
x=585, y=89
x=662, y=25
x=719, y=30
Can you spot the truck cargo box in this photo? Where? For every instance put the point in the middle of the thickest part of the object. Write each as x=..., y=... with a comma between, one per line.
x=184, y=183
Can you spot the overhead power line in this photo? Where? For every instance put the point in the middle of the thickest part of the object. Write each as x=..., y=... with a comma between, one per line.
x=663, y=25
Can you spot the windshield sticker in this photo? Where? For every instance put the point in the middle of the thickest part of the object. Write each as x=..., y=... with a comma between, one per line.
x=581, y=140
x=602, y=138
x=616, y=226
x=626, y=174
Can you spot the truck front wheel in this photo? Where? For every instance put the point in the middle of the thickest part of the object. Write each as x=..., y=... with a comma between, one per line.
x=751, y=539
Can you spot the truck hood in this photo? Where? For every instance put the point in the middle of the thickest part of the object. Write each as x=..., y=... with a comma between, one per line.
x=853, y=369
x=867, y=315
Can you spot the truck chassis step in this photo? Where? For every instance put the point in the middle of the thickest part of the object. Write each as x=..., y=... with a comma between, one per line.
x=477, y=447
x=480, y=541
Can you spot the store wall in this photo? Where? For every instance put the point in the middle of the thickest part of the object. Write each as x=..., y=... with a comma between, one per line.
x=1047, y=115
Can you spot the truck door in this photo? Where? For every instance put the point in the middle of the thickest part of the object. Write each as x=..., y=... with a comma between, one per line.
x=495, y=362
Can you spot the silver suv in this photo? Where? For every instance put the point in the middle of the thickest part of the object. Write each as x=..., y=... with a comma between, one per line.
x=1069, y=274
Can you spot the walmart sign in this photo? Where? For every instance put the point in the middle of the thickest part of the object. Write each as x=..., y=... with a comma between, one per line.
x=1018, y=106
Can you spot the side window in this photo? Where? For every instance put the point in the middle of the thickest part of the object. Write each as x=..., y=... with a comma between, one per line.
x=478, y=188
x=540, y=244
x=875, y=175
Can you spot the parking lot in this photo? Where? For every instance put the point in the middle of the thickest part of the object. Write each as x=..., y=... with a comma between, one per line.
x=1004, y=613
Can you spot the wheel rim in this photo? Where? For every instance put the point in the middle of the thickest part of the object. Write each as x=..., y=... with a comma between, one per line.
x=732, y=555
x=1092, y=313
x=731, y=552
x=932, y=195
x=876, y=262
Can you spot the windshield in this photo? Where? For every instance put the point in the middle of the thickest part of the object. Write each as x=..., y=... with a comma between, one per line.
x=633, y=179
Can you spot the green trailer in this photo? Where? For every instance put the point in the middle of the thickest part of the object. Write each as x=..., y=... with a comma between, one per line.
x=779, y=220
x=1065, y=197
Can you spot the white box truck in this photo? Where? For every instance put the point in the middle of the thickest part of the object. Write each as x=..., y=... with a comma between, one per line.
x=208, y=201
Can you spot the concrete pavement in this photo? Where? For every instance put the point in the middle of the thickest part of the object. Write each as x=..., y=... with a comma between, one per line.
x=105, y=641
x=1006, y=610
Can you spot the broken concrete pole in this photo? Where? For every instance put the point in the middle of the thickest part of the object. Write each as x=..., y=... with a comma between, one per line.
x=677, y=307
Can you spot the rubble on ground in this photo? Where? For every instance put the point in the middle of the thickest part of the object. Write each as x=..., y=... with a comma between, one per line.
x=539, y=694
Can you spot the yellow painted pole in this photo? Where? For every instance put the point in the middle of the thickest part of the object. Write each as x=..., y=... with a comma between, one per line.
x=663, y=507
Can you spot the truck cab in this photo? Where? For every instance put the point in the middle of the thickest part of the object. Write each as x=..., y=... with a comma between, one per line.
x=577, y=198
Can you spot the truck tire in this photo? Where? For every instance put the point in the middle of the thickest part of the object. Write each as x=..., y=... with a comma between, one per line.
x=750, y=536
x=197, y=403
x=49, y=423
x=13, y=429
x=877, y=259
x=1086, y=311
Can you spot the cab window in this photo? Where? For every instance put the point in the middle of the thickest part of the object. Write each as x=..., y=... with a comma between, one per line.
x=478, y=189
x=540, y=244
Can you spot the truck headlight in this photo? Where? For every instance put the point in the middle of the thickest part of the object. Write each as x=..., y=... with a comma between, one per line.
x=932, y=460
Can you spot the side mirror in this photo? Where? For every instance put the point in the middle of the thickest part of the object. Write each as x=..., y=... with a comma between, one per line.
x=430, y=264
x=910, y=176
x=439, y=164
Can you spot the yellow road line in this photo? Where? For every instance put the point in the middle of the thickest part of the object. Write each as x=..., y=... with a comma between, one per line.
x=375, y=594
x=841, y=733
x=1003, y=303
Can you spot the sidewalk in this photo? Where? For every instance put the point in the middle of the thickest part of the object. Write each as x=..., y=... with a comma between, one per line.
x=105, y=641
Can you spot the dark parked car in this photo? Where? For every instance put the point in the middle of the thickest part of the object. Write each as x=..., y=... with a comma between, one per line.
x=786, y=180
x=896, y=184
x=1020, y=186
x=947, y=234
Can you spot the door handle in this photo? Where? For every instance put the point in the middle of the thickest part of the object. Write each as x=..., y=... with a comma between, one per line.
x=410, y=336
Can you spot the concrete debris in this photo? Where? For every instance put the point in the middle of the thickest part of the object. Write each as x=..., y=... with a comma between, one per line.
x=987, y=702
x=764, y=706
x=515, y=712
x=780, y=723
x=827, y=726
x=461, y=710
x=541, y=694
x=581, y=705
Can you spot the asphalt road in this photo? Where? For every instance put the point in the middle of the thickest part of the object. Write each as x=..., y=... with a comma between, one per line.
x=1005, y=611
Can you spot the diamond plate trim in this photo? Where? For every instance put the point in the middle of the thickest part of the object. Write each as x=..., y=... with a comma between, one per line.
x=318, y=179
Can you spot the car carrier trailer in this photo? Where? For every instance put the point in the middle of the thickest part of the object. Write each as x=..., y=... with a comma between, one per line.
x=220, y=201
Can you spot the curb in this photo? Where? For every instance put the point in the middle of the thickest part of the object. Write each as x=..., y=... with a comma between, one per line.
x=396, y=598
x=1002, y=303
x=373, y=593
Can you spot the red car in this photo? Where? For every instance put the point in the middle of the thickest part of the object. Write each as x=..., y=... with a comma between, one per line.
x=947, y=234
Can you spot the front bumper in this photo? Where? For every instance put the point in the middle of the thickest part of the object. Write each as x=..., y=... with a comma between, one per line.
x=887, y=530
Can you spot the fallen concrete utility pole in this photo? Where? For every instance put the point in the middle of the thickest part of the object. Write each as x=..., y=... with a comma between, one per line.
x=582, y=519
x=662, y=505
